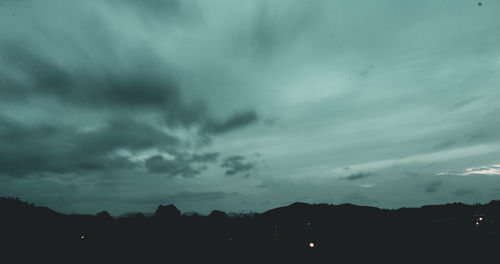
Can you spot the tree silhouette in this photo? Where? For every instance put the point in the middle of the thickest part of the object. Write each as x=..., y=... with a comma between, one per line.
x=167, y=212
x=104, y=215
x=445, y=232
x=217, y=215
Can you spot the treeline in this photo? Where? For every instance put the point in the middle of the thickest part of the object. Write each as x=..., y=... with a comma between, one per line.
x=297, y=232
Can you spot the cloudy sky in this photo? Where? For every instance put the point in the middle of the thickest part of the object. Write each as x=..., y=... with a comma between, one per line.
x=122, y=105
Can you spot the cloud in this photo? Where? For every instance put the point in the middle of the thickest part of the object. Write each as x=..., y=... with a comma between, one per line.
x=233, y=122
x=481, y=170
x=87, y=64
x=485, y=170
x=421, y=159
x=204, y=158
x=433, y=186
x=114, y=89
x=34, y=149
x=356, y=176
x=237, y=165
x=49, y=148
x=179, y=165
x=125, y=133
x=86, y=69
x=158, y=164
x=129, y=80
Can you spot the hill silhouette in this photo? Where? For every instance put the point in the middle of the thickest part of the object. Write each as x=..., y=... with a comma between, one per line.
x=298, y=232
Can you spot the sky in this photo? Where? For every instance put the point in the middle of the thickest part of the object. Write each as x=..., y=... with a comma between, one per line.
x=241, y=106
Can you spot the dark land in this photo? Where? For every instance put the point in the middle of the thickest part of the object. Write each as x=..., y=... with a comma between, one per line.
x=341, y=234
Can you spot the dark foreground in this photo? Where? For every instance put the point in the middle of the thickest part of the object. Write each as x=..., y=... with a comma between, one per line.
x=339, y=233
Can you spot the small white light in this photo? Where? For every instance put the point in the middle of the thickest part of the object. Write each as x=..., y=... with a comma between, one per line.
x=480, y=219
x=82, y=237
x=311, y=244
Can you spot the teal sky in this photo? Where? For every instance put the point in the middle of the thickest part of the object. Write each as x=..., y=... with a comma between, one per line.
x=248, y=105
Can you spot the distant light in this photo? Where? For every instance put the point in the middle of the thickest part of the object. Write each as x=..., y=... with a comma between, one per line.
x=82, y=237
x=477, y=223
x=480, y=219
x=311, y=244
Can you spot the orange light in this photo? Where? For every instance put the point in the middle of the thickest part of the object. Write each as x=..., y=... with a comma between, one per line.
x=311, y=245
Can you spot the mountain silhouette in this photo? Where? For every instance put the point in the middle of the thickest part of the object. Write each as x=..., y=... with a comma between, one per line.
x=298, y=232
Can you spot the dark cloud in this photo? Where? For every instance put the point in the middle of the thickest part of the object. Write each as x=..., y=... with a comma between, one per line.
x=464, y=191
x=103, y=87
x=206, y=157
x=233, y=122
x=189, y=73
x=179, y=165
x=126, y=133
x=41, y=148
x=356, y=176
x=237, y=164
x=158, y=164
x=433, y=186
x=86, y=67
x=149, y=87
